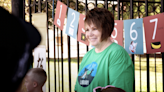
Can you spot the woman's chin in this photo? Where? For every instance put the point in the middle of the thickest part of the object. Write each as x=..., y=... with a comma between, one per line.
x=93, y=45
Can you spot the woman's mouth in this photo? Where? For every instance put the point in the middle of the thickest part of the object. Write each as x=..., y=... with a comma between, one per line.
x=92, y=39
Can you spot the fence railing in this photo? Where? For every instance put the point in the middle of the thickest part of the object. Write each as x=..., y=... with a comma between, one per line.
x=68, y=52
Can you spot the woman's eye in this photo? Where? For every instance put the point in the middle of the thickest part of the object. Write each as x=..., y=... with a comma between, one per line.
x=86, y=30
x=94, y=28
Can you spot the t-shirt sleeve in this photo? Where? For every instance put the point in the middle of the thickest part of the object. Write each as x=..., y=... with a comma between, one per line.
x=121, y=72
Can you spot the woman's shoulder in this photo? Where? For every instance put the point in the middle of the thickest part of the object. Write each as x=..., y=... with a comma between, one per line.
x=115, y=47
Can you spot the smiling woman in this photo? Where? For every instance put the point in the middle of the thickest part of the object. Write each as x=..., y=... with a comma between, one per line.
x=99, y=26
x=108, y=63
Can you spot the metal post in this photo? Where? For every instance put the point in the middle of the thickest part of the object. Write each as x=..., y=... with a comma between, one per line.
x=54, y=48
x=48, y=59
x=118, y=7
x=17, y=8
x=106, y=4
x=162, y=10
x=147, y=55
x=131, y=17
x=77, y=43
x=86, y=9
x=30, y=15
x=39, y=6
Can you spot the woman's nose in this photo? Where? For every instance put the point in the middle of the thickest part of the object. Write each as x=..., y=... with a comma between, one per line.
x=90, y=33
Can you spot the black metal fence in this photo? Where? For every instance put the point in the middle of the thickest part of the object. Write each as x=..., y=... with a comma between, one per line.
x=122, y=9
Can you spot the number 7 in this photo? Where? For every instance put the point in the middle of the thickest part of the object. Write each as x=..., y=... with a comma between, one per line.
x=155, y=27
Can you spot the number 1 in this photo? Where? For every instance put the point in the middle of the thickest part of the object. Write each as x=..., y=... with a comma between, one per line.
x=155, y=27
x=60, y=11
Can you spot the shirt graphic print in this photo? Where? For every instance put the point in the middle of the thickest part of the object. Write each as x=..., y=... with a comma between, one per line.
x=87, y=74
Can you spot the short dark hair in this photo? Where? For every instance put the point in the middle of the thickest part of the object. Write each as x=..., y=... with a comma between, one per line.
x=102, y=19
x=39, y=74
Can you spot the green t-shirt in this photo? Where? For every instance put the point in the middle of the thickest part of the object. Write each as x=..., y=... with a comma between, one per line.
x=113, y=66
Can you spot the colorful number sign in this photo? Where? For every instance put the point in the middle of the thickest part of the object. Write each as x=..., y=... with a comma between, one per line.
x=134, y=36
x=81, y=32
x=60, y=15
x=72, y=23
x=154, y=31
x=117, y=34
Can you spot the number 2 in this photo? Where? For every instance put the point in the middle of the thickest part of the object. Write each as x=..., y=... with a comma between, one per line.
x=155, y=27
x=73, y=19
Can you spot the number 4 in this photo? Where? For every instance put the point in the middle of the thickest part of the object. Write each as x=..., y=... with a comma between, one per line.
x=155, y=27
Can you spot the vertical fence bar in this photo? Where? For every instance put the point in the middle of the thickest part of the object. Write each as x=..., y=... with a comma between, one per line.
x=61, y=36
x=148, y=77
x=118, y=7
x=106, y=4
x=162, y=10
x=29, y=5
x=131, y=9
x=140, y=73
x=78, y=57
x=58, y=60
x=86, y=9
x=155, y=74
x=17, y=8
x=69, y=59
x=24, y=9
x=155, y=56
x=48, y=46
x=40, y=6
x=34, y=6
x=77, y=42
x=54, y=60
x=139, y=55
x=163, y=69
x=122, y=10
x=54, y=47
x=69, y=63
x=132, y=55
x=113, y=8
x=147, y=55
x=95, y=3
x=62, y=60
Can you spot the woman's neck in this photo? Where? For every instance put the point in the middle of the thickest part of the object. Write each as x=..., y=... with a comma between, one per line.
x=103, y=45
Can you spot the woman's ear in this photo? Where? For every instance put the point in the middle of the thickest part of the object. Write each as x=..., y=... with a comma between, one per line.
x=35, y=84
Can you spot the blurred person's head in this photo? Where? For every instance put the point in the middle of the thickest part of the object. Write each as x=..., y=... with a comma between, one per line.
x=18, y=39
x=35, y=79
x=113, y=89
x=99, y=24
x=108, y=88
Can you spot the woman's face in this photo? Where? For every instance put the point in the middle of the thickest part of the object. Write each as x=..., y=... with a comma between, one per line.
x=93, y=34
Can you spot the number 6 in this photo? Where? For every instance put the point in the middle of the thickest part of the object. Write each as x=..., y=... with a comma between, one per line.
x=131, y=31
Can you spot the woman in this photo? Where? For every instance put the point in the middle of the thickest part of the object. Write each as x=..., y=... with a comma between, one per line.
x=108, y=63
